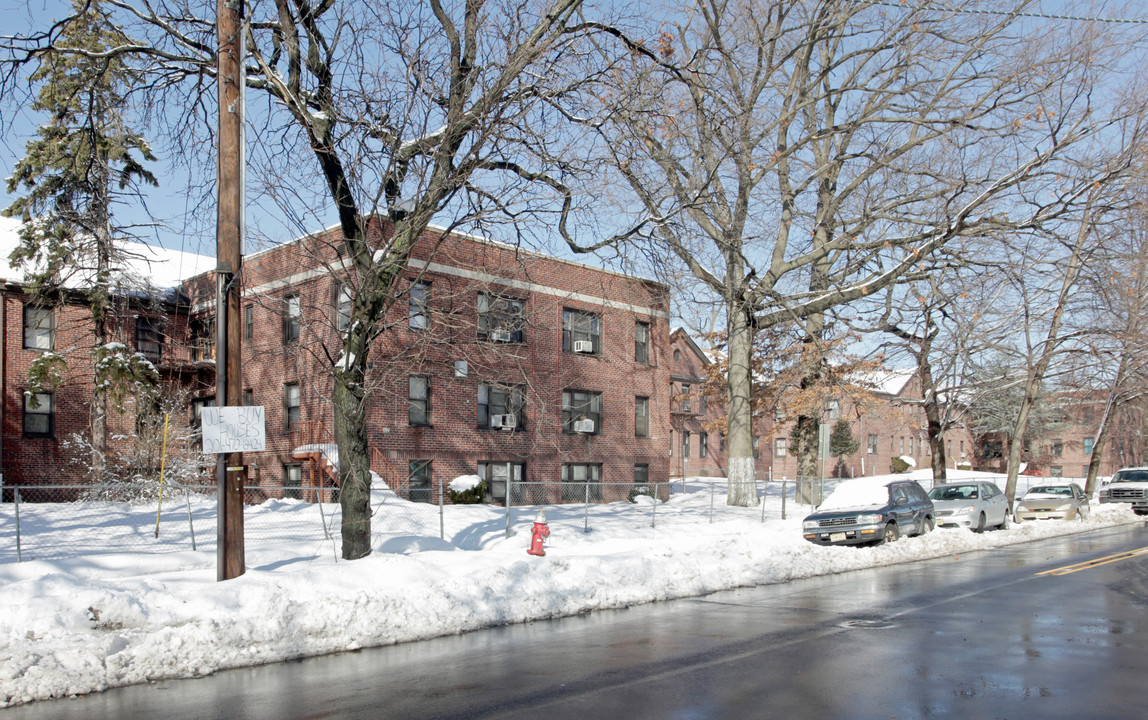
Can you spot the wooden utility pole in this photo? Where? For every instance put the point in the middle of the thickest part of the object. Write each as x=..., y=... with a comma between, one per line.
x=229, y=241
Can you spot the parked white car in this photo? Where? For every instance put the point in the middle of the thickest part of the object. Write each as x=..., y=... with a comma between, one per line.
x=970, y=504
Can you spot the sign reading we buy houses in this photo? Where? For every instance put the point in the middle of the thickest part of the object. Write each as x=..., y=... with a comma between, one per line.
x=233, y=429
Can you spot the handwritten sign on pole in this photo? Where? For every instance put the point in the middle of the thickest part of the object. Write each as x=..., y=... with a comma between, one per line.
x=233, y=429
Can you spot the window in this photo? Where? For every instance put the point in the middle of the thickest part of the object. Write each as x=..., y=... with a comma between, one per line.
x=39, y=414
x=149, y=341
x=701, y=404
x=641, y=417
x=1056, y=471
x=677, y=356
x=721, y=442
x=671, y=443
x=197, y=406
x=500, y=406
x=499, y=318
x=248, y=322
x=779, y=448
x=497, y=475
x=419, y=477
x=291, y=404
x=581, y=412
x=581, y=481
x=642, y=474
x=39, y=327
x=581, y=332
x=418, y=305
x=756, y=447
x=248, y=397
x=292, y=318
x=685, y=444
x=684, y=398
x=203, y=339
x=834, y=409
x=342, y=306
x=779, y=414
x=703, y=441
x=293, y=481
x=1057, y=447
x=1088, y=446
x=872, y=445
x=419, y=396
x=642, y=343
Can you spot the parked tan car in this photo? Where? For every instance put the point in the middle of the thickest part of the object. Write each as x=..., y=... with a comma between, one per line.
x=1060, y=501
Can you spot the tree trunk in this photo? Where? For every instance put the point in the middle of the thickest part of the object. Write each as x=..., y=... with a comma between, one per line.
x=742, y=470
x=354, y=464
x=934, y=424
x=1031, y=387
x=808, y=469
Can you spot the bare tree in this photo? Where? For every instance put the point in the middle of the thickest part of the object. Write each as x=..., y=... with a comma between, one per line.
x=1115, y=360
x=793, y=157
x=409, y=111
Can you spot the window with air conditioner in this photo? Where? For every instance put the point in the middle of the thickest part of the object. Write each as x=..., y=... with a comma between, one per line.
x=501, y=406
x=581, y=411
x=581, y=332
x=500, y=319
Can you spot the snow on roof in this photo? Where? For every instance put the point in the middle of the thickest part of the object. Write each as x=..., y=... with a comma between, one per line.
x=145, y=267
x=891, y=382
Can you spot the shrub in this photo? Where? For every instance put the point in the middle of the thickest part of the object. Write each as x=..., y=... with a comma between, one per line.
x=473, y=496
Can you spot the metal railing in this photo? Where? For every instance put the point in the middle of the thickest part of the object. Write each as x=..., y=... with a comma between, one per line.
x=57, y=521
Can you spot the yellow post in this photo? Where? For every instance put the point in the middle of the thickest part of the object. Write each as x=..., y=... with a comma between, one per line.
x=162, y=466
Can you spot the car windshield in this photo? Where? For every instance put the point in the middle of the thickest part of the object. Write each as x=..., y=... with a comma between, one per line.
x=1052, y=490
x=954, y=492
x=857, y=493
x=1130, y=476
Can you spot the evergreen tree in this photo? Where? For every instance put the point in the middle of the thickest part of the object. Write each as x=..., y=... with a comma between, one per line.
x=82, y=158
x=841, y=440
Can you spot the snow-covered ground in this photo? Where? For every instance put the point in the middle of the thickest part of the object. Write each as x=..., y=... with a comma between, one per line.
x=84, y=624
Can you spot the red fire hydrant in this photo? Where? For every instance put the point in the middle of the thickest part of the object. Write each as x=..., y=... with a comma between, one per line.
x=537, y=533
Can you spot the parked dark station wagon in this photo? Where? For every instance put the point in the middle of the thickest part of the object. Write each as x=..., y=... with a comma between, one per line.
x=870, y=511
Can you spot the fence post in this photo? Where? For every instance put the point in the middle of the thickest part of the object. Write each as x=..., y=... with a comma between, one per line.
x=783, y=484
x=586, y=514
x=509, y=493
x=713, y=489
x=764, y=496
x=16, y=497
x=441, y=528
x=190, y=524
x=323, y=518
x=654, y=514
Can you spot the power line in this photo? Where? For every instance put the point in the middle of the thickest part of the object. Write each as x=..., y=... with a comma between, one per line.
x=972, y=11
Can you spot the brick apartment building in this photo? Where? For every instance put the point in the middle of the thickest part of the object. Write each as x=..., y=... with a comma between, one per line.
x=494, y=361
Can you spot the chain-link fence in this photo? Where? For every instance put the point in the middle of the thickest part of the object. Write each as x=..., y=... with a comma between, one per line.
x=58, y=521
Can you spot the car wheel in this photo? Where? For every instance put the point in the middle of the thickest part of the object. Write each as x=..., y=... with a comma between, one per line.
x=1004, y=523
x=980, y=528
x=928, y=525
x=890, y=534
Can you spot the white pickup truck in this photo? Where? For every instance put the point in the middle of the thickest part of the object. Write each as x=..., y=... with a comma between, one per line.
x=1129, y=485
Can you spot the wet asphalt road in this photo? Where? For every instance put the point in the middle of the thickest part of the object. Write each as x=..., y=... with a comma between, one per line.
x=981, y=635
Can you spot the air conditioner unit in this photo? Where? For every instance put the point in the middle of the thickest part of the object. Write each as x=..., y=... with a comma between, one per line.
x=499, y=336
x=583, y=346
x=584, y=426
x=505, y=422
